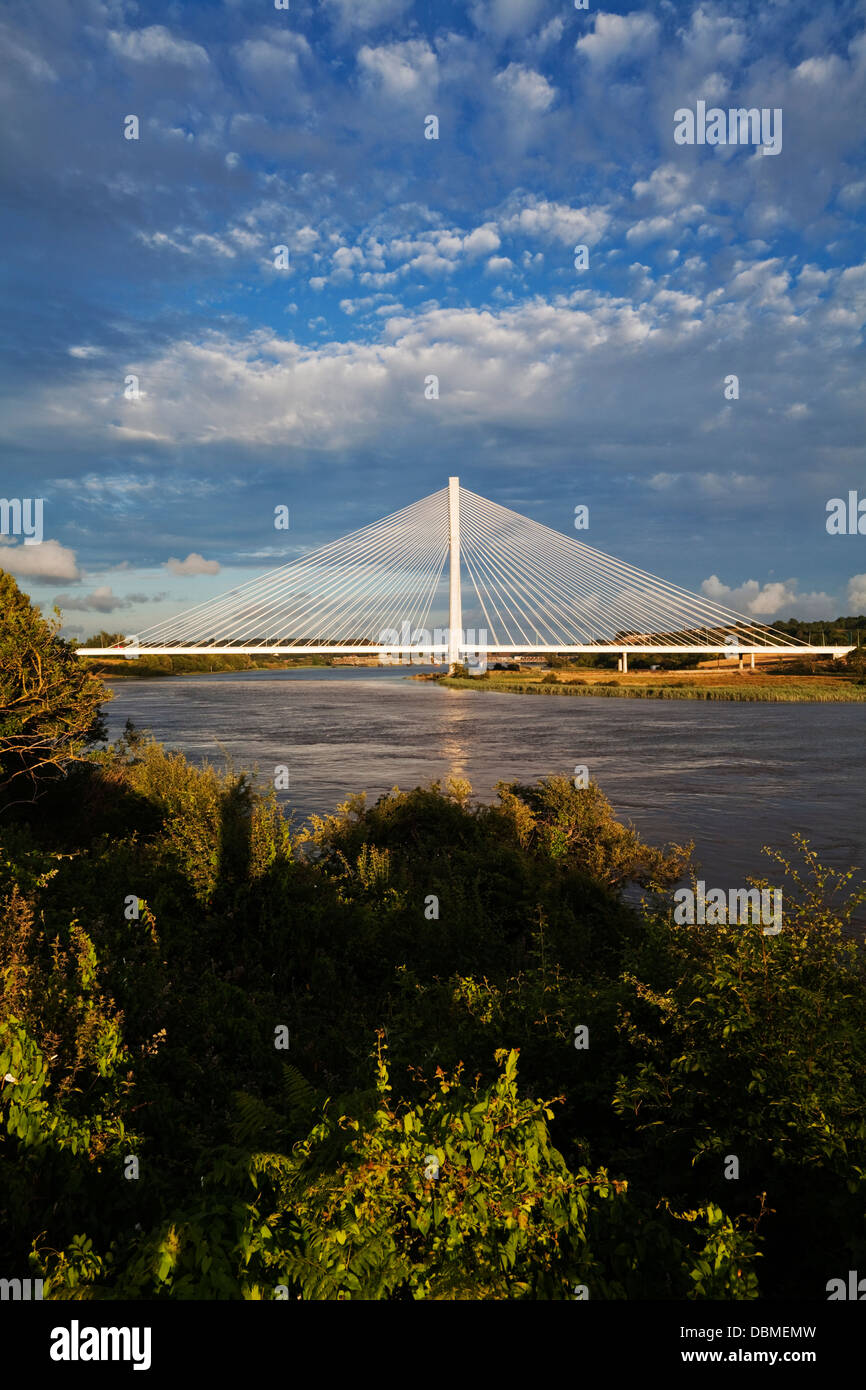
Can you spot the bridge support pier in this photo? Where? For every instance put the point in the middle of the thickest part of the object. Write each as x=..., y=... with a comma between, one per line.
x=752, y=660
x=623, y=666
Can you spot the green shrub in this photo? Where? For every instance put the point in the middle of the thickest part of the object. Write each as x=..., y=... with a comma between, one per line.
x=153, y=1034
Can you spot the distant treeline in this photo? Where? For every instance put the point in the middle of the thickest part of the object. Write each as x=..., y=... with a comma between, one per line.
x=182, y=665
x=838, y=632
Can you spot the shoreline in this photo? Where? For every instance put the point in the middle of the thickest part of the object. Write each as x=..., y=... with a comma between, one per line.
x=601, y=684
x=791, y=691
x=110, y=673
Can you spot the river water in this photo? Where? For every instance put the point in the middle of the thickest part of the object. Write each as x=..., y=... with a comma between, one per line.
x=733, y=777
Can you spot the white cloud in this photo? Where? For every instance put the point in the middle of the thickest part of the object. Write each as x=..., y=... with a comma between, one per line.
x=278, y=55
x=713, y=38
x=617, y=35
x=857, y=594
x=498, y=265
x=775, y=599
x=650, y=229
x=527, y=89
x=203, y=241
x=482, y=240
x=558, y=222
x=161, y=240
x=304, y=239
x=193, y=564
x=156, y=44
x=189, y=243
x=85, y=352
x=764, y=282
x=399, y=70
x=48, y=560
x=550, y=362
x=550, y=34
x=666, y=186
x=102, y=600
x=142, y=436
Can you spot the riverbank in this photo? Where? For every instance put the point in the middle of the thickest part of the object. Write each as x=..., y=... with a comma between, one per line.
x=693, y=685
x=161, y=668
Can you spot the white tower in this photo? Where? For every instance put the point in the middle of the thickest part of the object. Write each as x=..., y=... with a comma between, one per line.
x=455, y=608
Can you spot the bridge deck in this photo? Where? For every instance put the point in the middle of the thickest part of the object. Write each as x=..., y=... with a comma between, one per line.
x=465, y=649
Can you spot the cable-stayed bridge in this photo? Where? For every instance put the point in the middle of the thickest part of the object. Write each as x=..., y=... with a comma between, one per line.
x=379, y=590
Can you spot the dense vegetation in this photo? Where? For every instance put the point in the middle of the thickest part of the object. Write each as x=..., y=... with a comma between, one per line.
x=49, y=704
x=779, y=690
x=847, y=631
x=348, y=1061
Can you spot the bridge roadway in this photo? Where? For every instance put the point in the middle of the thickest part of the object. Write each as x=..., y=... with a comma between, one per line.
x=465, y=649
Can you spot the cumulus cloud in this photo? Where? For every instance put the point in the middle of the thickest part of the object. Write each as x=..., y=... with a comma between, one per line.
x=399, y=70
x=558, y=221
x=766, y=282
x=526, y=89
x=266, y=390
x=156, y=44
x=713, y=39
x=482, y=240
x=650, y=229
x=666, y=186
x=616, y=35
x=193, y=564
x=857, y=593
x=775, y=599
x=47, y=560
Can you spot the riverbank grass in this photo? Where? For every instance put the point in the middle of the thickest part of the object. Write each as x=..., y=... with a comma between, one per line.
x=690, y=685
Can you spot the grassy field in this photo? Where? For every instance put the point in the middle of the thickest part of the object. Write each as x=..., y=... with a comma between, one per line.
x=671, y=685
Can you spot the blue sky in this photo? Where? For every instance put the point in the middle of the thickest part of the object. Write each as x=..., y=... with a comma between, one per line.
x=411, y=257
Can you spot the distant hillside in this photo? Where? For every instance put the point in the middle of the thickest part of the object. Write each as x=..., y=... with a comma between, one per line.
x=836, y=632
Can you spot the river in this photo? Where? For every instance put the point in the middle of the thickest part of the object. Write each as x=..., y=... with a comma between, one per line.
x=731, y=776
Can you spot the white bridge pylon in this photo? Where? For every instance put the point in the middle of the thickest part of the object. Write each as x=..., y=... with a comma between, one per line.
x=533, y=589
